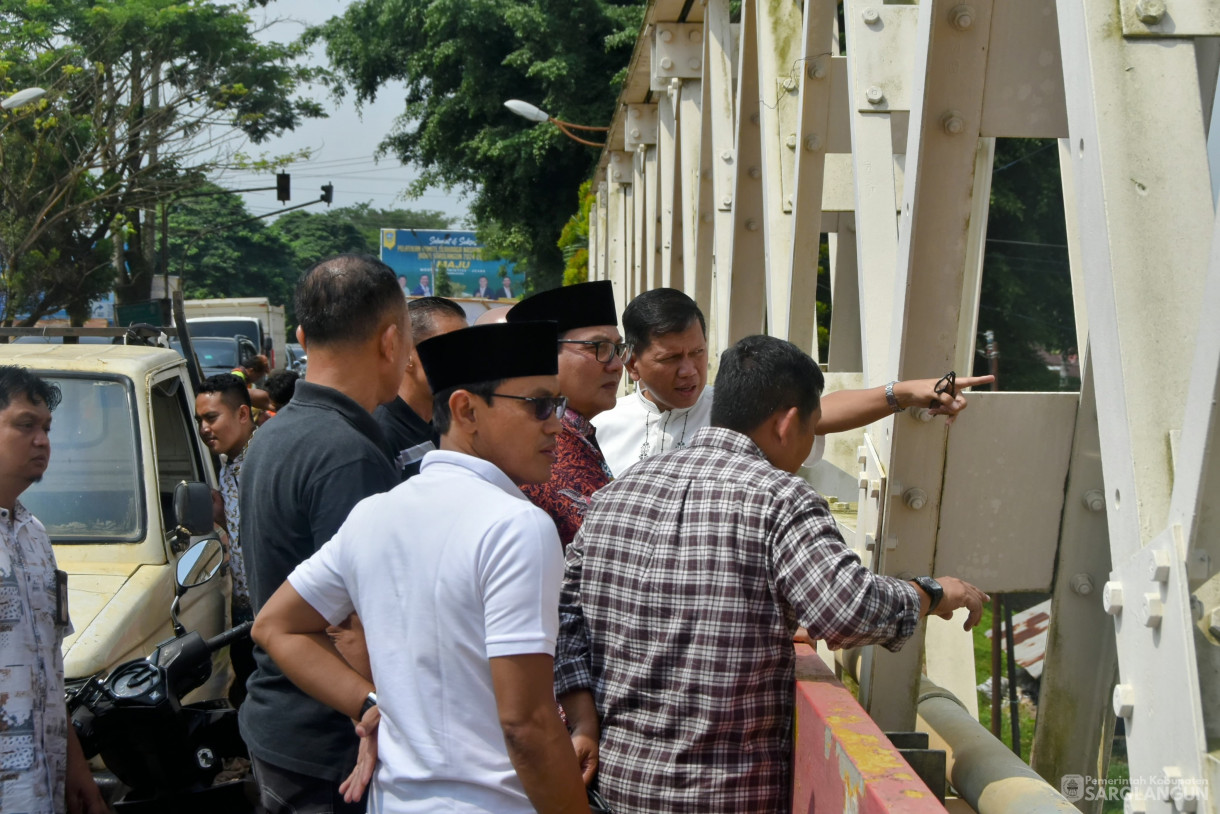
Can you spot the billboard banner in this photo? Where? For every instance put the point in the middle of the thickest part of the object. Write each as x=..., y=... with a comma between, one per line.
x=418, y=255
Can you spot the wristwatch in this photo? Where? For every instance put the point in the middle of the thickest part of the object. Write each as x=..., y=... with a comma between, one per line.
x=930, y=587
x=370, y=701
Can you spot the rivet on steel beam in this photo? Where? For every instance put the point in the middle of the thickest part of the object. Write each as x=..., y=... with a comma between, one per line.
x=962, y=17
x=727, y=200
x=695, y=63
x=1158, y=569
x=695, y=35
x=1124, y=700
x=952, y=123
x=1082, y=584
x=915, y=498
x=705, y=217
x=874, y=94
x=813, y=142
x=667, y=64
x=665, y=34
x=871, y=16
x=753, y=118
x=1152, y=610
x=726, y=156
x=1150, y=12
x=791, y=141
x=615, y=158
x=789, y=83
x=755, y=173
x=1094, y=500
x=751, y=225
x=635, y=132
x=1112, y=598
x=816, y=70
x=922, y=413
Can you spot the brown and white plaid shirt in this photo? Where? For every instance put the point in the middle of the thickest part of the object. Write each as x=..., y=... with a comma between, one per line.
x=681, y=594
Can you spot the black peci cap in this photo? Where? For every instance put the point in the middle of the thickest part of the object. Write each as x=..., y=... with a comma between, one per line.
x=573, y=306
x=489, y=352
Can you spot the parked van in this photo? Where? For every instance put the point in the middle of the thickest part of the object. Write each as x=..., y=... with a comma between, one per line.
x=252, y=317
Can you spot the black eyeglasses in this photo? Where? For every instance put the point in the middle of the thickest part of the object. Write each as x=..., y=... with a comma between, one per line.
x=604, y=349
x=945, y=384
x=544, y=406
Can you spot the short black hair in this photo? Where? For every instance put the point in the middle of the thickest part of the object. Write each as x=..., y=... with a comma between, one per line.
x=19, y=381
x=232, y=389
x=345, y=299
x=441, y=417
x=658, y=312
x=280, y=386
x=423, y=313
x=762, y=374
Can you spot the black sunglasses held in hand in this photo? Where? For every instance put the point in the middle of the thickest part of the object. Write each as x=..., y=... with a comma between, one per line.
x=544, y=406
x=945, y=384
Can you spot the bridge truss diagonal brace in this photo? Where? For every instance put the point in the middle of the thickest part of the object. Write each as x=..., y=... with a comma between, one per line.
x=1140, y=176
x=933, y=253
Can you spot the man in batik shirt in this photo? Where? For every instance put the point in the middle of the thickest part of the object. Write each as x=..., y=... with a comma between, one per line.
x=40, y=756
x=226, y=424
x=591, y=352
x=686, y=583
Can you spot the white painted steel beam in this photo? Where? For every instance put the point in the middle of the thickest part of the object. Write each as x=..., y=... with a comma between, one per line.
x=1144, y=204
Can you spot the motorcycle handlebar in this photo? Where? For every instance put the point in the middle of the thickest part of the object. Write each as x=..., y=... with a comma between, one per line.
x=229, y=636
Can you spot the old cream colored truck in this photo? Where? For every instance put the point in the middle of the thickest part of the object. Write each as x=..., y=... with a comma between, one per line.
x=121, y=439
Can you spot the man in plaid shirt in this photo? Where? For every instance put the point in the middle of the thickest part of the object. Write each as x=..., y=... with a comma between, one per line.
x=685, y=584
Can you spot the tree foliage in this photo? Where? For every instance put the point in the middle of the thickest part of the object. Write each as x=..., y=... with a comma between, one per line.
x=461, y=60
x=1026, y=296
x=143, y=94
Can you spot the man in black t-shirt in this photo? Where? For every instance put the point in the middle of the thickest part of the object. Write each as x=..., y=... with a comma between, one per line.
x=303, y=473
x=406, y=421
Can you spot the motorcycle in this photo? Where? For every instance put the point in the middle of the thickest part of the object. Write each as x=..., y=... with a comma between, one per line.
x=168, y=754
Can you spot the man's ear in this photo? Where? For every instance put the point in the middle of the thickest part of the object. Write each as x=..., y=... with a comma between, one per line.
x=300, y=337
x=632, y=371
x=243, y=413
x=787, y=424
x=462, y=409
x=389, y=341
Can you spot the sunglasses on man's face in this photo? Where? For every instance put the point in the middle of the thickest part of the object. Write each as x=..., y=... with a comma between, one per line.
x=544, y=406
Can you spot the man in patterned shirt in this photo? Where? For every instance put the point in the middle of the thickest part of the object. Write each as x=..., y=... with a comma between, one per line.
x=591, y=352
x=684, y=587
x=40, y=756
x=226, y=425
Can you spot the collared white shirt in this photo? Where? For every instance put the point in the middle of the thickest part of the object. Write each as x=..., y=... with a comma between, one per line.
x=637, y=429
x=34, y=735
x=449, y=569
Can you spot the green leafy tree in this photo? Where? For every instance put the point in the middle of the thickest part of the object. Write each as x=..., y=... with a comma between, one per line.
x=219, y=250
x=371, y=221
x=310, y=236
x=1026, y=296
x=460, y=62
x=574, y=239
x=442, y=286
x=142, y=92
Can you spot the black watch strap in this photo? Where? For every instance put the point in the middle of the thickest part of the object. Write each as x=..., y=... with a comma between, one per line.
x=932, y=588
x=370, y=701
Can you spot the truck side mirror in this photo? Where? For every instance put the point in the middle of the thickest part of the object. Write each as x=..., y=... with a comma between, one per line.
x=193, y=507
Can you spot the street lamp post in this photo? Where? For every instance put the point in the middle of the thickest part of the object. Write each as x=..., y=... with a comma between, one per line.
x=527, y=111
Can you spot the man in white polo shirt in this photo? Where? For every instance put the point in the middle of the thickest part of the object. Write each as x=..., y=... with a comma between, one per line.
x=668, y=362
x=456, y=577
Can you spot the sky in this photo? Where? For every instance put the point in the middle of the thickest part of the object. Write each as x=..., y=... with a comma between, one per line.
x=344, y=145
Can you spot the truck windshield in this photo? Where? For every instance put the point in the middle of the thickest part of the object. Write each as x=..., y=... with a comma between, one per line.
x=248, y=328
x=211, y=352
x=92, y=489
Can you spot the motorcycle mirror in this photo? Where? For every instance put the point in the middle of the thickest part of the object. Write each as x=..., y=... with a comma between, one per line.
x=193, y=507
x=199, y=563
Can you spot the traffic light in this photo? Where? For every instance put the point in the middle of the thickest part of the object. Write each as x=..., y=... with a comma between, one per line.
x=283, y=187
x=328, y=193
